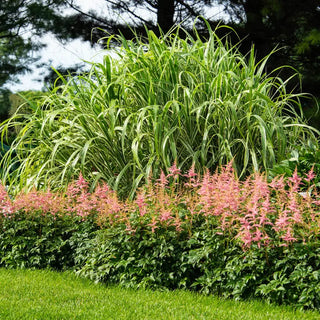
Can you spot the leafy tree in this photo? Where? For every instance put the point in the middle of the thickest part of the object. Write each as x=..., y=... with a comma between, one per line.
x=22, y=23
x=292, y=25
x=167, y=12
x=18, y=19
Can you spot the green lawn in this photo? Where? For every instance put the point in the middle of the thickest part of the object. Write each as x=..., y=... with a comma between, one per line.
x=26, y=294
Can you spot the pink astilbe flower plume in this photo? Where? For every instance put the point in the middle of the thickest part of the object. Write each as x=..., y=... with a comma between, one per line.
x=174, y=170
x=162, y=182
x=288, y=237
x=165, y=215
x=191, y=175
x=141, y=202
x=6, y=207
x=81, y=183
x=153, y=224
x=205, y=193
x=102, y=191
x=294, y=208
x=78, y=186
x=277, y=183
x=281, y=222
x=310, y=175
x=295, y=181
x=177, y=223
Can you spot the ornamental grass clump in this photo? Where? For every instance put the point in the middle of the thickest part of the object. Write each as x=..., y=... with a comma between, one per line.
x=162, y=99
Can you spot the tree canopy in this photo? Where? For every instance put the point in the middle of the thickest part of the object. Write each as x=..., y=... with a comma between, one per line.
x=125, y=16
x=292, y=25
x=22, y=22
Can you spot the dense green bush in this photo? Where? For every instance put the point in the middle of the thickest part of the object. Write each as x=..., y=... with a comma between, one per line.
x=165, y=259
x=161, y=100
x=44, y=241
x=145, y=260
x=206, y=262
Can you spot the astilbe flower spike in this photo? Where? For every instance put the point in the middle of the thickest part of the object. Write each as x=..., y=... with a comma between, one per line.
x=6, y=208
x=205, y=193
x=141, y=202
x=192, y=181
x=165, y=215
x=174, y=170
x=162, y=182
x=295, y=181
x=310, y=175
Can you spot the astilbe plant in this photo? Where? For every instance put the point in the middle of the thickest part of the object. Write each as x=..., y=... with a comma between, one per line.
x=253, y=212
x=212, y=233
x=5, y=203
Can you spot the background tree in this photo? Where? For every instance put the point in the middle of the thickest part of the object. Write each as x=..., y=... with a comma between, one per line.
x=20, y=18
x=22, y=23
x=291, y=25
x=125, y=16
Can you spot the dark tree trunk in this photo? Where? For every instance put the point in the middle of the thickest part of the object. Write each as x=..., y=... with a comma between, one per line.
x=165, y=14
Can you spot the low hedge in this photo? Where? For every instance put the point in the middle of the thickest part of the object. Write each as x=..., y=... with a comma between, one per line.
x=203, y=261
x=42, y=241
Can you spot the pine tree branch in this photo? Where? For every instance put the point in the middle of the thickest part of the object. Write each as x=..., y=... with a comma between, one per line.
x=125, y=7
x=189, y=8
x=93, y=17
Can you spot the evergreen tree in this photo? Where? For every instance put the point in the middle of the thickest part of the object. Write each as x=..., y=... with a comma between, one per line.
x=291, y=25
x=22, y=22
x=126, y=16
x=20, y=18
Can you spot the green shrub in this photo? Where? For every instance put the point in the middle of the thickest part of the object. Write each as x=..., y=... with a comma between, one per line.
x=145, y=260
x=206, y=262
x=38, y=241
x=162, y=100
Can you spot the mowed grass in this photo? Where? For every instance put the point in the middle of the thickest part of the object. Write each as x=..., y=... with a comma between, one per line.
x=27, y=294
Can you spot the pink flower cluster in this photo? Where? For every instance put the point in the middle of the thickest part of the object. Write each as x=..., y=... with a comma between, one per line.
x=77, y=201
x=253, y=212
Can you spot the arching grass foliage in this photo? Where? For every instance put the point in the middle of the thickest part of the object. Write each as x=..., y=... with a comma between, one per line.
x=163, y=99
